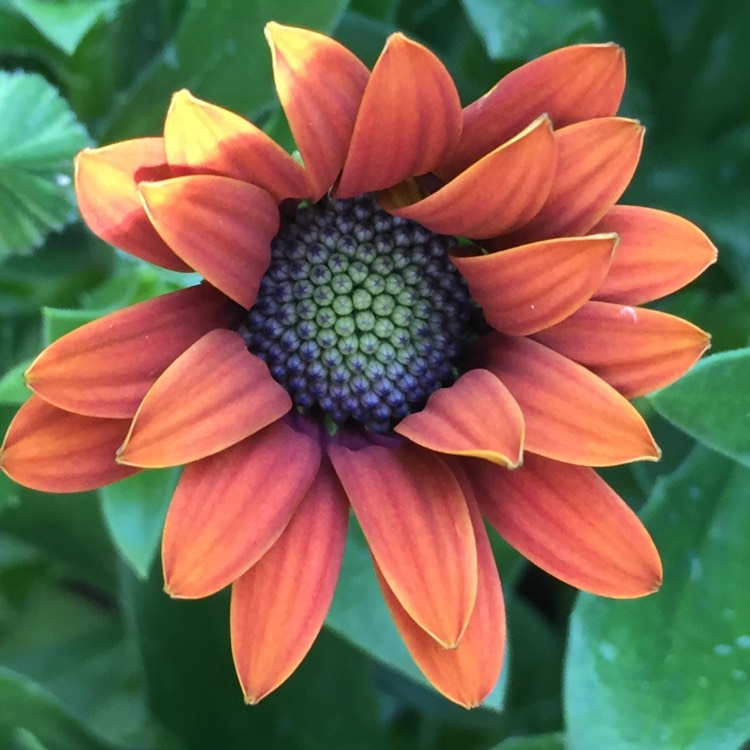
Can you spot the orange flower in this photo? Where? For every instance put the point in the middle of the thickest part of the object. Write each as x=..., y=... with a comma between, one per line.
x=346, y=350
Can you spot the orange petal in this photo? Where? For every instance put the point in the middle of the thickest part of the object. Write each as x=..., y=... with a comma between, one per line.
x=531, y=287
x=635, y=350
x=571, y=414
x=467, y=673
x=105, y=367
x=320, y=85
x=210, y=397
x=229, y=509
x=222, y=227
x=659, y=253
x=478, y=204
x=279, y=605
x=571, y=84
x=410, y=117
x=595, y=163
x=569, y=522
x=106, y=181
x=476, y=416
x=201, y=135
x=51, y=450
x=414, y=517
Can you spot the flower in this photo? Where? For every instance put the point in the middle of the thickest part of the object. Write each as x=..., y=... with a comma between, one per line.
x=432, y=318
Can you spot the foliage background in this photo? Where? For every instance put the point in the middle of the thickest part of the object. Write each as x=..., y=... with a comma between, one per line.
x=93, y=656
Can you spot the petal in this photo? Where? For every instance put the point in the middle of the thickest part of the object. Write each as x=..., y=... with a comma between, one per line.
x=410, y=117
x=320, y=85
x=527, y=288
x=571, y=414
x=201, y=135
x=279, y=605
x=659, y=253
x=478, y=204
x=51, y=450
x=106, y=180
x=476, y=416
x=569, y=522
x=210, y=397
x=467, y=673
x=229, y=509
x=413, y=514
x=221, y=227
x=595, y=163
x=105, y=367
x=635, y=350
x=571, y=84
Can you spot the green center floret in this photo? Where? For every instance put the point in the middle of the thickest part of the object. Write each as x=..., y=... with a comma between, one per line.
x=360, y=315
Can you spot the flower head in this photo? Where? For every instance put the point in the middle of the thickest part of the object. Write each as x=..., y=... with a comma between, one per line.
x=432, y=319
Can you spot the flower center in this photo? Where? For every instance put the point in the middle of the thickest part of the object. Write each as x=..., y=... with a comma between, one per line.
x=360, y=315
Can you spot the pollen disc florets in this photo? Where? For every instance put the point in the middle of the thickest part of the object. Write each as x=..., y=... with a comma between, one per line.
x=360, y=315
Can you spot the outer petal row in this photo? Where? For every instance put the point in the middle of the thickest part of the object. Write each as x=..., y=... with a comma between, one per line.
x=106, y=182
x=467, y=673
x=571, y=414
x=596, y=160
x=52, y=450
x=320, y=85
x=413, y=513
x=202, y=136
x=635, y=350
x=568, y=521
x=228, y=509
x=212, y=396
x=105, y=367
x=571, y=85
x=279, y=605
x=658, y=254
x=409, y=118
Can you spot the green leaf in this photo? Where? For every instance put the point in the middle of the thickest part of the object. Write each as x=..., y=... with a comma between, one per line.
x=672, y=670
x=65, y=22
x=329, y=701
x=56, y=322
x=134, y=510
x=535, y=742
x=520, y=29
x=220, y=56
x=37, y=145
x=28, y=709
x=13, y=390
x=712, y=403
x=359, y=614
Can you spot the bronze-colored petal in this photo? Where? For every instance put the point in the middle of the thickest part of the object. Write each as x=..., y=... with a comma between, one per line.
x=279, y=605
x=213, y=140
x=320, y=85
x=222, y=227
x=409, y=118
x=570, y=85
x=413, y=513
x=476, y=416
x=106, y=180
x=105, y=367
x=228, y=509
x=209, y=398
x=52, y=450
x=499, y=193
x=569, y=522
x=635, y=350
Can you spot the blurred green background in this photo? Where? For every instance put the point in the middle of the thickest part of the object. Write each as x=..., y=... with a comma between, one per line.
x=94, y=656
